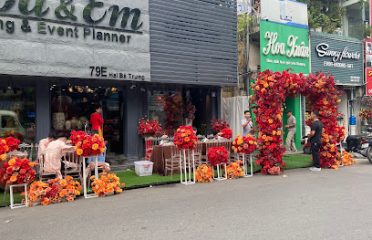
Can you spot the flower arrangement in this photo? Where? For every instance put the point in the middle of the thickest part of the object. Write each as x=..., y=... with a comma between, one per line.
x=275, y=170
x=106, y=184
x=365, y=114
x=149, y=128
x=190, y=111
x=185, y=138
x=225, y=133
x=218, y=155
x=204, y=174
x=173, y=112
x=17, y=171
x=14, y=134
x=87, y=145
x=347, y=159
x=274, y=88
x=7, y=145
x=235, y=170
x=246, y=144
x=217, y=125
x=54, y=191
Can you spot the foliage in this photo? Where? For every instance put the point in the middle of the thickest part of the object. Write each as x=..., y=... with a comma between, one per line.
x=325, y=14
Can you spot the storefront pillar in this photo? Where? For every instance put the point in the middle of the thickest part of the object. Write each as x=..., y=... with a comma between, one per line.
x=134, y=103
x=42, y=110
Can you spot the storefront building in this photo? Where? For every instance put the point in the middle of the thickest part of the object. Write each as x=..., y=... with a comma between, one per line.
x=58, y=59
x=343, y=58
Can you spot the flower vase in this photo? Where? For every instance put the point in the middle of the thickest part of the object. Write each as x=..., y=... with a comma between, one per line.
x=247, y=163
x=221, y=176
x=96, y=176
x=11, y=190
x=187, y=167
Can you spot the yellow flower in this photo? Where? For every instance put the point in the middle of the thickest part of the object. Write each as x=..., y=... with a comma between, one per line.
x=12, y=162
x=3, y=157
x=79, y=151
x=240, y=141
x=95, y=146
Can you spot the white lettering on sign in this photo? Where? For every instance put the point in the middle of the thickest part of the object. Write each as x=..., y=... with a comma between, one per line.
x=323, y=50
x=291, y=48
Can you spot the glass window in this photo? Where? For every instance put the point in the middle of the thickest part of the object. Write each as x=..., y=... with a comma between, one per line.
x=18, y=113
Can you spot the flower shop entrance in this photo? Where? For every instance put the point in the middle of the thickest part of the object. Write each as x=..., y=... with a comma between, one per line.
x=271, y=90
x=72, y=105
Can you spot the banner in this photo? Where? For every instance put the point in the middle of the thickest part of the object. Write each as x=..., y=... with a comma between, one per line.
x=369, y=81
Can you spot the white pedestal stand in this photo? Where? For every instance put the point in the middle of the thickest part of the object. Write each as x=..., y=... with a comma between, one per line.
x=220, y=176
x=187, y=171
x=85, y=187
x=246, y=161
x=19, y=205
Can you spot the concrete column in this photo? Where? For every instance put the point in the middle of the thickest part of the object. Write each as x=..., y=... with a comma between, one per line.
x=42, y=109
x=134, y=101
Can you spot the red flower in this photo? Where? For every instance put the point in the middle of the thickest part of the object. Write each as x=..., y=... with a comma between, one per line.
x=185, y=138
x=226, y=133
x=149, y=128
x=217, y=125
x=217, y=155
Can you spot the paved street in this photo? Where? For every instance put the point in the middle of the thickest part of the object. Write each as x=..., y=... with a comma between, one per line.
x=304, y=205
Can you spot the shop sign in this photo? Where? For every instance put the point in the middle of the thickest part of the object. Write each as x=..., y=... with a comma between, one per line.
x=368, y=81
x=75, y=38
x=284, y=47
x=342, y=57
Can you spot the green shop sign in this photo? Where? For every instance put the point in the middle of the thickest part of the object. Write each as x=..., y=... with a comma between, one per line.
x=284, y=47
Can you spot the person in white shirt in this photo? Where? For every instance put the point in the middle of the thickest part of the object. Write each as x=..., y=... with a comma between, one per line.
x=247, y=123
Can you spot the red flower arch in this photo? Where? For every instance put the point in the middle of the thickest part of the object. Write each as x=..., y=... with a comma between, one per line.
x=271, y=90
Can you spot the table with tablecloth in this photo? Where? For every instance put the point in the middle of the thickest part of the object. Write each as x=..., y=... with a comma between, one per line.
x=160, y=153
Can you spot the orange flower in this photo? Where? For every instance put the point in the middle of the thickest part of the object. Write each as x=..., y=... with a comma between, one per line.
x=79, y=151
x=11, y=161
x=13, y=179
x=3, y=157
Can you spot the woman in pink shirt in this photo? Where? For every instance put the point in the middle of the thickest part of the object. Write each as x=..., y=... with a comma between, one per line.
x=54, y=153
x=43, y=144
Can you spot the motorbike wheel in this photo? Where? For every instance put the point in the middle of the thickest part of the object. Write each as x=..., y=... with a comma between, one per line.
x=369, y=154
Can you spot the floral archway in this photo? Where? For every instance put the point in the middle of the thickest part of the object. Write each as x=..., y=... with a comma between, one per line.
x=271, y=89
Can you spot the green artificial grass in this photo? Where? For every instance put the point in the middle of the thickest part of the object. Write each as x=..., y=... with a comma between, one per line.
x=133, y=181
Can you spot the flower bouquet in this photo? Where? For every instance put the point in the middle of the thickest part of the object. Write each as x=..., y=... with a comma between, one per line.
x=217, y=155
x=87, y=145
x=17, y=171
x=225, y=133
x=54, y=191
x=217, y=125
x=106, y=184
x=246, y=144
x=347, y=159
x=7, y=145
x=235, y=170
x=204, y=174
x=149, y=128
x=185, y=138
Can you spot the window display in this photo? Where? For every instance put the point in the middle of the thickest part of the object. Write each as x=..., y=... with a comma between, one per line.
x=18, y=113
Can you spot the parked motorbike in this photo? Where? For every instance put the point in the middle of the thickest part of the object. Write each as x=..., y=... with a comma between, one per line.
x=361, y=144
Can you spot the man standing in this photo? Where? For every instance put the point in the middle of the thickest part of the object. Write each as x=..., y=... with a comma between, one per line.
x=96, y=120
x=291, y=127
x=247, y=123
x=316, y=141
